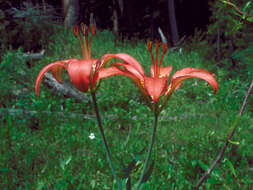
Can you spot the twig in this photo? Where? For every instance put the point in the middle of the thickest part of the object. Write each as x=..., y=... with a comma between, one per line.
x=236, y=8
x=21, y=112
x=24, y=112
x=34, y=56
x=246, y=98
x=64, y=89
x=223, y=149
x=163, y=38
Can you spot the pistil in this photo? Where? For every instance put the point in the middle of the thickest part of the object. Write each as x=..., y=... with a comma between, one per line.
x=85, y=32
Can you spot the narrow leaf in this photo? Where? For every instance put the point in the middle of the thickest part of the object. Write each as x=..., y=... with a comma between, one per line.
x=231, y=167
x=203, y=165
x=247, y=6
x=234, y=142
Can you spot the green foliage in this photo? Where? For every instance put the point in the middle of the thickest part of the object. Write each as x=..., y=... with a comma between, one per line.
x=244, y=57
x=14, y=64
x=50, y=147
x=230, y=32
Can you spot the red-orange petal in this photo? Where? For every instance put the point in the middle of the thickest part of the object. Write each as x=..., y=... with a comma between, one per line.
x=57, y=70
x=130, y=69
x=205, y=75
x=80, y=73
x=185, y=71
x=107, y=72
x=127, y=59
x=43, y=71
x=163, y=72
x=114, y=70
x=188, y=70
x=155, y=87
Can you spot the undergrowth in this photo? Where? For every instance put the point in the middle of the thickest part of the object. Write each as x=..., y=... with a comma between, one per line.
x=45, y=142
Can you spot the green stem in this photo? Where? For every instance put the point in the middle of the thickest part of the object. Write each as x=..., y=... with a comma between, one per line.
x=152, y=139
x=101, y=130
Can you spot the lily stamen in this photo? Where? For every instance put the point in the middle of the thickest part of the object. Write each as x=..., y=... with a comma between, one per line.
x=92, y=34
x=149, y=47
x=156, y=61
x=165, y=49
x=85, y=32
x=76, y=33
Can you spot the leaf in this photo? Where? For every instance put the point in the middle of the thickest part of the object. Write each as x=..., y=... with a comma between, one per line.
x=93, y=183
x=234, y=142
x=213, y=181
x=231, y=167
x=250, y=19
x=148, y=173
x=203, y=165
x=68, y=160
x=40, y=185
x=247, y=6
x=65, y=162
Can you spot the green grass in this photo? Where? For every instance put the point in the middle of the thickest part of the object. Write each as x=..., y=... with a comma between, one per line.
x=47, y=151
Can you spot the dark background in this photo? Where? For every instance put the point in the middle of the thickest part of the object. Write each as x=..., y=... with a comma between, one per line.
x=136, y=20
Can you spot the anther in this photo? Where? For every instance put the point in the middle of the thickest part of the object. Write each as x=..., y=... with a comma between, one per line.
x=165, y=47
x=84, y=30
x=76, y=31
x=92, y=29
x=149, y=46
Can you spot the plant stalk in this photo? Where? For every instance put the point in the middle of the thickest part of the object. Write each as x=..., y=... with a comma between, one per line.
x=152, y=140
x=101, y=130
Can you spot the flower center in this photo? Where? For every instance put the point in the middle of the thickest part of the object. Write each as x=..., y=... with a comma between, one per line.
x=155, y=63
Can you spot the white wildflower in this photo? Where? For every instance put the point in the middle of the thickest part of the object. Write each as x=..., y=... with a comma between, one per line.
x=92, y=136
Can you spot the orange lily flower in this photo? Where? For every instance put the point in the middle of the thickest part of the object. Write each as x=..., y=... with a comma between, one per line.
x=83, y=73
x=156, y=85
